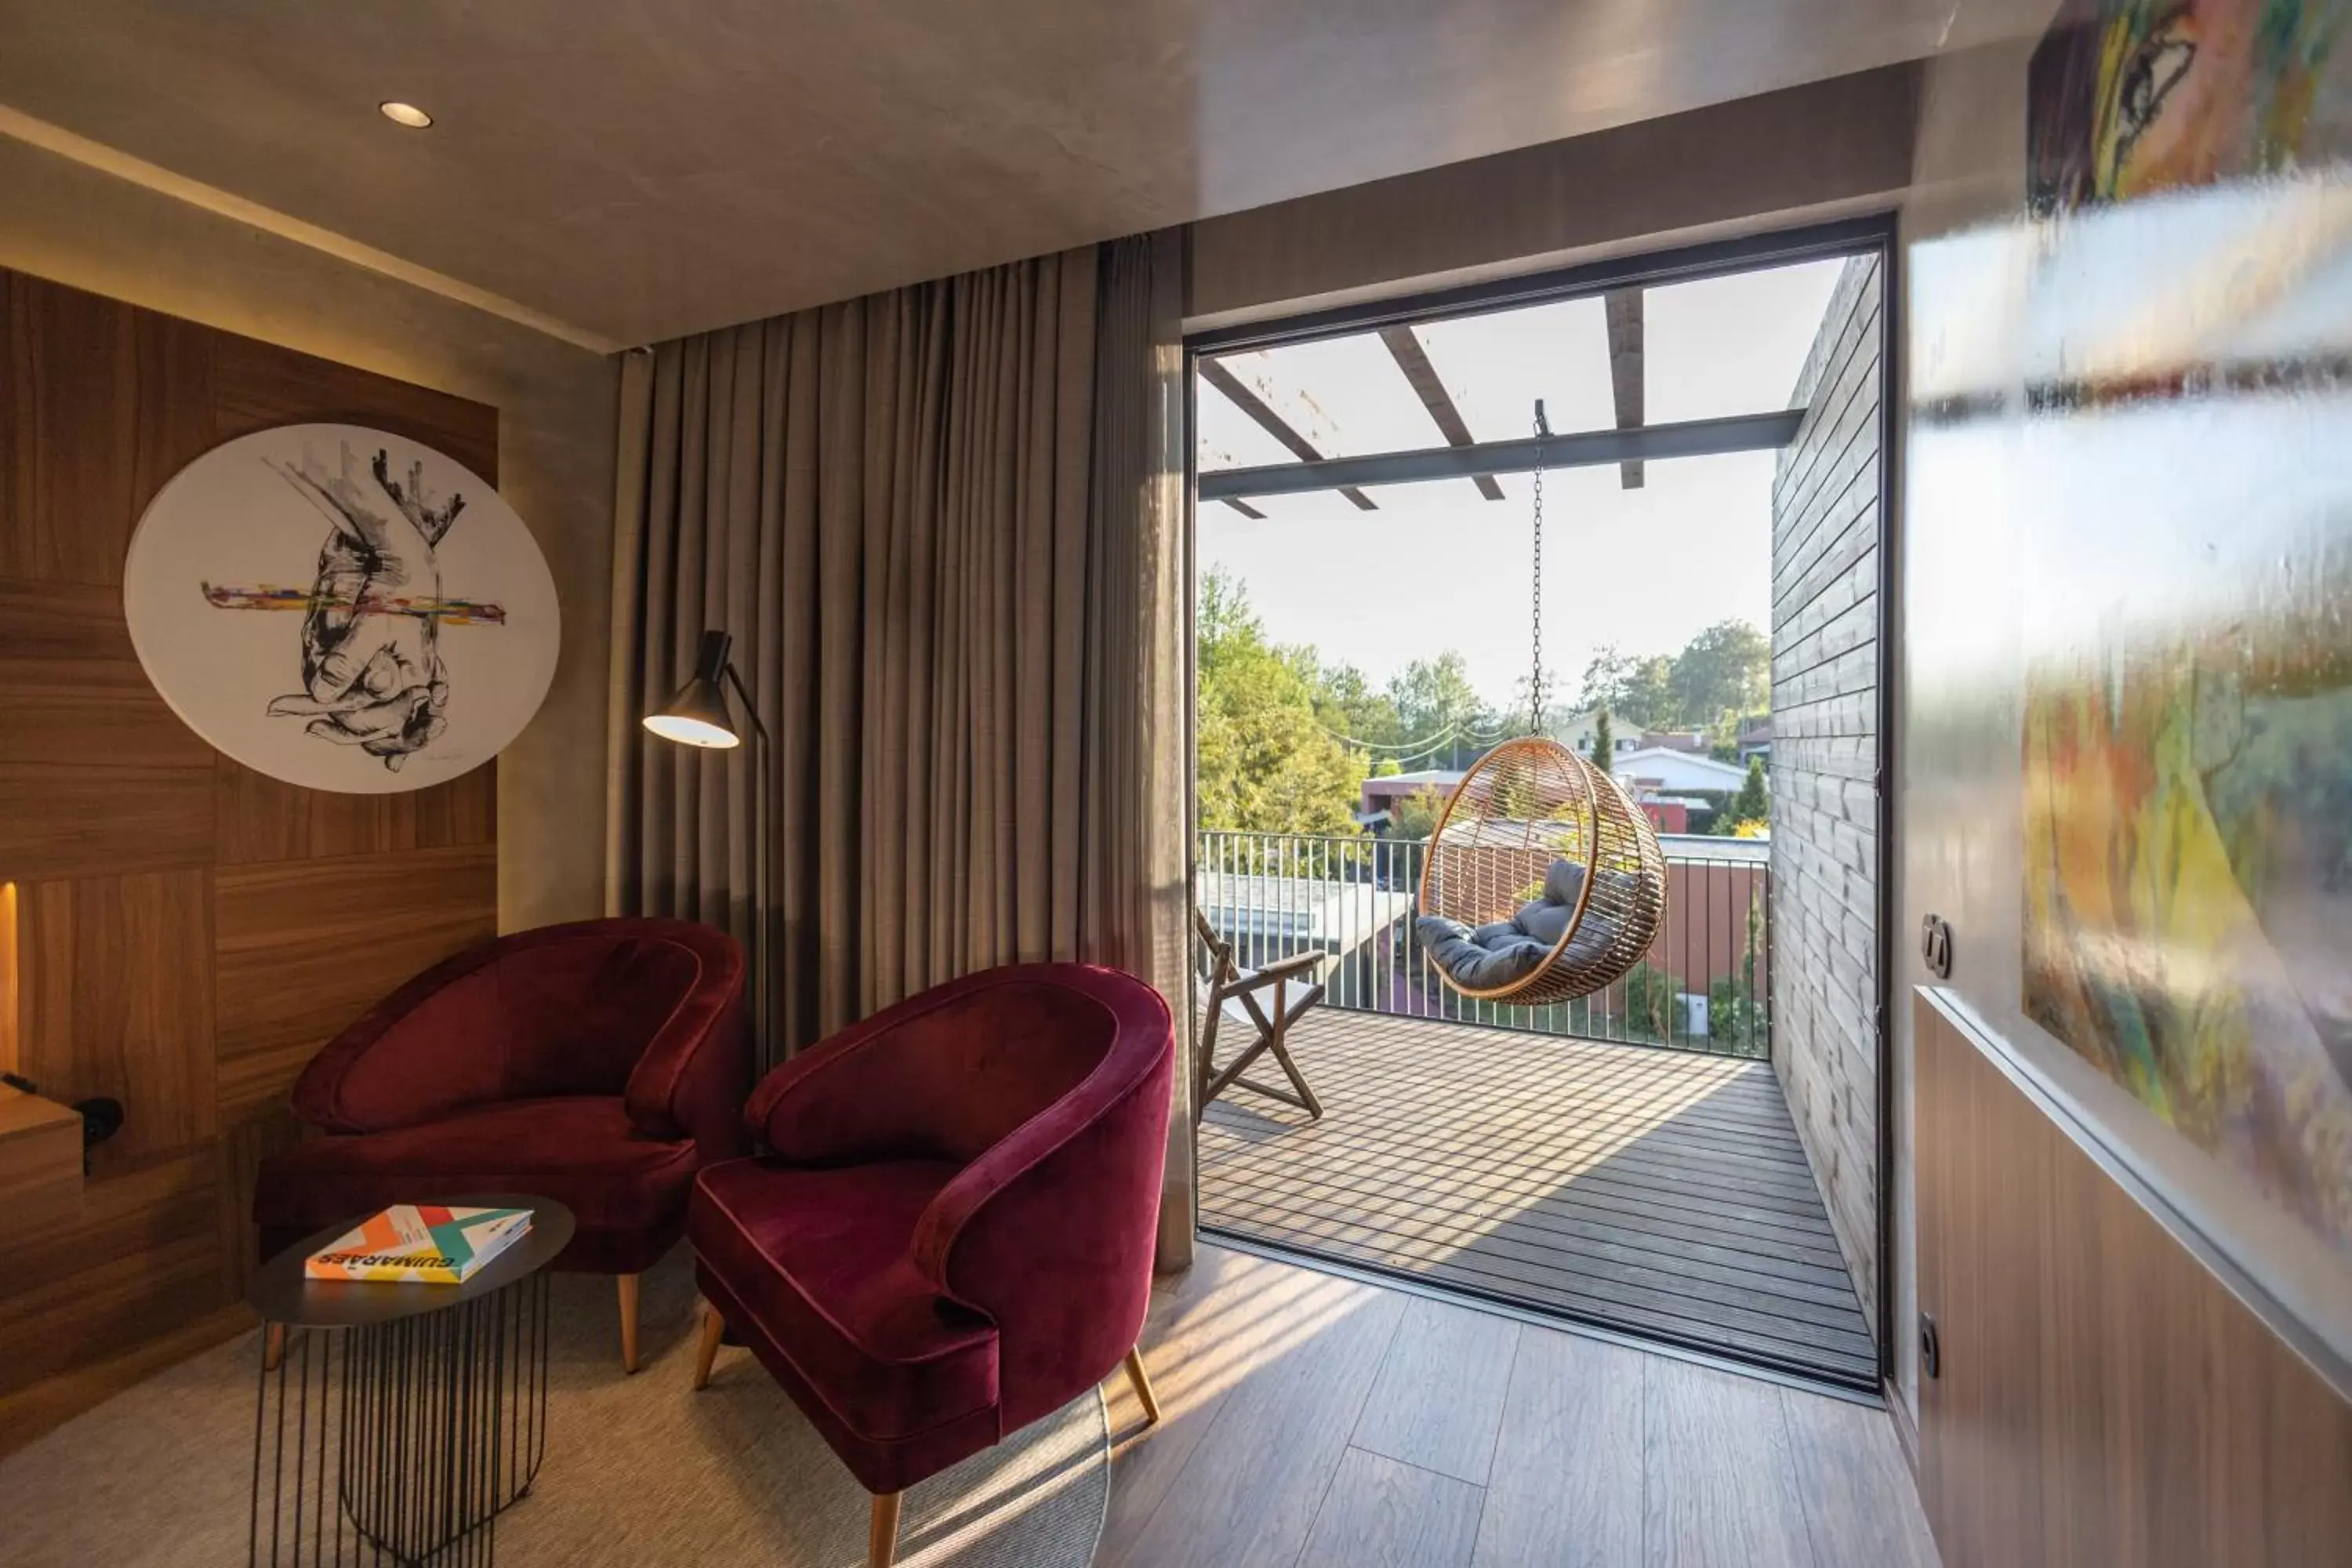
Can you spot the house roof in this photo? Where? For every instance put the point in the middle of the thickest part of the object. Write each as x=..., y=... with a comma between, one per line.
x=1631, y=761
x=1446, y=776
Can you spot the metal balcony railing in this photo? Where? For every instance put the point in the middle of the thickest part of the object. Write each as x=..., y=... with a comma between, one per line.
x=1703, y=986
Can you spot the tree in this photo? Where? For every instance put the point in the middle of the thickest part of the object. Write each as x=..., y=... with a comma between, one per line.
x=1347, y=705
x=1651, y=698
x=1415, y=817
x=1752, y=806
x=1604, y=745
x=1386, y=768
x=1433, y=697
x=1726, y=670
x=1264, y=761
x=1556, y=712
x=1637, y=687
x=1720, y=675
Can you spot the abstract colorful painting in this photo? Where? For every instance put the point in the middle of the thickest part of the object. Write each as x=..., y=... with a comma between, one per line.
x=2188, y=883
x=2131, y=97
x=2185, y=507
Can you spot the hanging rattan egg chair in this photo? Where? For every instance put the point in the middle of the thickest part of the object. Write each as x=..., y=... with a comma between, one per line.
x=1543, y=881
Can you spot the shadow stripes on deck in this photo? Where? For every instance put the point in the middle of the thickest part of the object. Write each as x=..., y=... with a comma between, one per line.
x=1655, y=1192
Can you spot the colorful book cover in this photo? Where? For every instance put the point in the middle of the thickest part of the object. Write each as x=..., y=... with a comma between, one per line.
x=420, y=1243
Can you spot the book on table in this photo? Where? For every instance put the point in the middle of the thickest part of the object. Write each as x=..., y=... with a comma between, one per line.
x=427, y=1244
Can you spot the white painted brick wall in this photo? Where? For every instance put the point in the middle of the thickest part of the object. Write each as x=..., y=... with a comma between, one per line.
x=1826, y=631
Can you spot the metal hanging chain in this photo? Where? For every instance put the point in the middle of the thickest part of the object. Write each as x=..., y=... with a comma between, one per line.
x=1536, y=681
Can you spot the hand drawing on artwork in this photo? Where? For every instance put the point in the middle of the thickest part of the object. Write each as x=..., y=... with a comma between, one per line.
x=373, y=674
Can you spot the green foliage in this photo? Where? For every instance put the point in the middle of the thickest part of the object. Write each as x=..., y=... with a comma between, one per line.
x=1650, y=995
x=1723, y=671
x=1386, y=768
x=1604, y=743
x=1753, y=805
x=1750, y=808
x=1737, y=1018
x=1432, y=695
x=1639, y=688
x=1721, y=674
x=1346, y=703
x=1415, y=817
x=1264, y=760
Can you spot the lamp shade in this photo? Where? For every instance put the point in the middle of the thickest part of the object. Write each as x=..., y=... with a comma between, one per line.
x=697, y=715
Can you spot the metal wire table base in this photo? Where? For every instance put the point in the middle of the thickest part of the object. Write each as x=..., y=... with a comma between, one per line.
x=402, y=1441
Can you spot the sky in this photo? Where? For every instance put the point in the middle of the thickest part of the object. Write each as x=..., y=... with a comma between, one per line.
x=1438, y=567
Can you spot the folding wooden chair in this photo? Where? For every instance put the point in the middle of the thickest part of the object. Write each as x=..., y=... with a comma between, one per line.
x=1234, y=994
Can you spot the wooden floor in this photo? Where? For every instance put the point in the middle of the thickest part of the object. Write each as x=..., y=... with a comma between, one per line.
x=1658, y=1191
x=1310, y=1421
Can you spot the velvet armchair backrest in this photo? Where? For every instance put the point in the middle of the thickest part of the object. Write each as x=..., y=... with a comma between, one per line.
x=946, y=1075
x=563, y=1010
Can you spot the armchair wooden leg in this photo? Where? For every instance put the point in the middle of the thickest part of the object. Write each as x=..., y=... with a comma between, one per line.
x=273, y=1346
x=882, y=1532
x=711, y=1329
x=1142, y=1382
x=628, y=1283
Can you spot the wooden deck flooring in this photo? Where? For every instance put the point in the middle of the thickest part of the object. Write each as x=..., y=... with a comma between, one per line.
x=1656, y=1192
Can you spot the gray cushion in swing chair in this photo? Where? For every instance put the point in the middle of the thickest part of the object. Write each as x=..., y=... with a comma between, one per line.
x=1504, y=952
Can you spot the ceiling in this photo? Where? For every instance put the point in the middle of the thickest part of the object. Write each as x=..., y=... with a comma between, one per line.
x=639, y=169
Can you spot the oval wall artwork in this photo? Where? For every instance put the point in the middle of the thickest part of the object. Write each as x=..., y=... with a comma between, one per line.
x=342, y=609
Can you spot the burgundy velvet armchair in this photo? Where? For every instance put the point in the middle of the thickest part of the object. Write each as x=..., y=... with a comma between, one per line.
x=601, y=1064
x=952, y=1236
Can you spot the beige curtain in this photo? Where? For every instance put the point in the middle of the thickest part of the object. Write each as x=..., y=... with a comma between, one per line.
x=943, y=524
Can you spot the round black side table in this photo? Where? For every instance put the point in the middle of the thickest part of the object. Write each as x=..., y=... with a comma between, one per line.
x=408, y=1415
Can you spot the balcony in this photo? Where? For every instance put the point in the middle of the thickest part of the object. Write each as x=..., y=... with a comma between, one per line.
x=1626, y=1160
x=1700, y=988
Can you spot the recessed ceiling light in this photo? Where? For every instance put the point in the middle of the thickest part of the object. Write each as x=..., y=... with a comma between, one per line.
x=407, y=114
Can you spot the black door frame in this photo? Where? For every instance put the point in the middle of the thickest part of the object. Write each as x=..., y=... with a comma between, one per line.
x=1872, y=235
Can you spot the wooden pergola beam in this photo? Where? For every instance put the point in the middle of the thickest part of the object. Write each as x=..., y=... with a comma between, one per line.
x=1583, y=449
x=1274, y=425
x=1406, y=348
x=1624, y=309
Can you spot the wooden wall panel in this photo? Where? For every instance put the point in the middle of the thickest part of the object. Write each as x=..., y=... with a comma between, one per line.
x=116, y=998
x=74, y=713
x=189, y=931
x=2104, y=1397
x=263, y=819
x=65, y=1321
x=86, y=821
x=72, y=436
x=106, y=402
x=64, y=620
x=260, y=385
x=103, y=404
x=143, y=1255
x=306, y=946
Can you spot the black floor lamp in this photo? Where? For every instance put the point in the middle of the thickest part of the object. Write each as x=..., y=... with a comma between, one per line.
x=697, y=716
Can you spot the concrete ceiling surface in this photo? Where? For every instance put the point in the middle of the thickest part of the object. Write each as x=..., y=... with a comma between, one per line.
x=641, y=170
